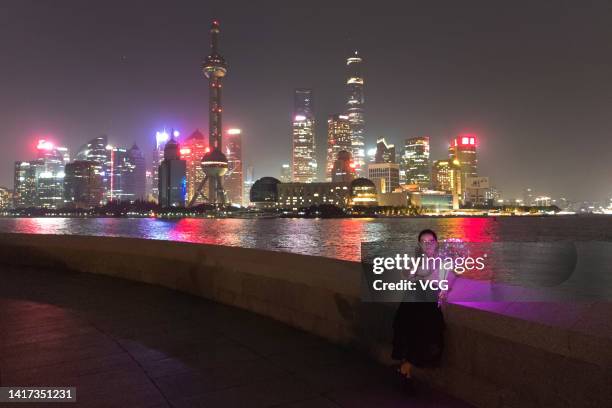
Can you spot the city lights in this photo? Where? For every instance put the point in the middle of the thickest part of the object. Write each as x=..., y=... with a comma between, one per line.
x=44, y=145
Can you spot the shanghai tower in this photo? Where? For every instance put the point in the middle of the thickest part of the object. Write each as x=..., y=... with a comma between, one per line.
x=354, y=110
x=214, y=163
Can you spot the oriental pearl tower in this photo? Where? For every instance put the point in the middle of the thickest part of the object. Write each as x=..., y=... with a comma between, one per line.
x=214, y=163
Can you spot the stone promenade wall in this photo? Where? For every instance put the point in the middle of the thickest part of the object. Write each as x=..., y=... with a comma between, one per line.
x=499, y=355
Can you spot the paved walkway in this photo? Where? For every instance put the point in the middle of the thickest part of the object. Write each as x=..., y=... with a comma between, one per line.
x=126, y=344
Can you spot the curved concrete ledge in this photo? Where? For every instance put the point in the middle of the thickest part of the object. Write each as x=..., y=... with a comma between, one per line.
x=497, y=355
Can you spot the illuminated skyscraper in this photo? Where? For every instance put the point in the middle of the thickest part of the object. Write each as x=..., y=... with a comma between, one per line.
x=414, y=163
x=95, y=151
x=446, y=176
x=172, y=177
x=82, y=185
x=354, y=110
x=249, y=180
x=158, y=155
x=24, y=188
x=343, y=170
x=134, y=186
x=385, y=152
x=302, y=102
x=50, y=174
x=385, y=176
x=119, y=168
x=6, y=197
x=338, y=139
x=304, y=162
x=285, y=173
x=192, y=151
x=234, y=177
x=463, y=149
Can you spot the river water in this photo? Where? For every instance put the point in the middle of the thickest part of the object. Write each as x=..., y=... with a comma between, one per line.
x=334, y=238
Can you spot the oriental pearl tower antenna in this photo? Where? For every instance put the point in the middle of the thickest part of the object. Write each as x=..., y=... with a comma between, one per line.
x=214, y=163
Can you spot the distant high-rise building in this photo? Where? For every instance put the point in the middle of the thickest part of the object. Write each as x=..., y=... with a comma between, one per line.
x=172, y=176
x=96, y=151
x=463, y=149
x=446, y=176
x=233, y=183
x=119, y=166
x=40, y=183
x=149, y=184
x=478, y=191
x=82, y=185
x=50, y=175
x=249, y=180
x=414, y=163
x=24, y=188
x=354, y=110
x=135, y=179
x=161, y=138
x=343, y=170
x=385, y=176
x=302, y=102
x=528, y=198
x=304, y=162
x=338, y=139
x=192, y=150
x=6, y=197
x=385, y=152
x=285, y=173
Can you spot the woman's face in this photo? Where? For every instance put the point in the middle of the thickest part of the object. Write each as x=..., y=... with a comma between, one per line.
x=428, y=244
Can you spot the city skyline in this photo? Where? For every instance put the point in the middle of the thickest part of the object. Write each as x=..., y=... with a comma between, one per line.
x=412, y=102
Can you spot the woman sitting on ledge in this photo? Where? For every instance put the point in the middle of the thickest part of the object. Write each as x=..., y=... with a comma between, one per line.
x=418, y=327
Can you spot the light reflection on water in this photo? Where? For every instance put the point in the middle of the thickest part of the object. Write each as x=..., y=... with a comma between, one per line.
x=334, y=238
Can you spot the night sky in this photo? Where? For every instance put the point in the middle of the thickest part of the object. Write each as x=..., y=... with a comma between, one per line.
x=532, y=79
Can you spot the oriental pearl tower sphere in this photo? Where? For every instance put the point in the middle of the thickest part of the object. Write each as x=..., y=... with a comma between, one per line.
x=214, y=163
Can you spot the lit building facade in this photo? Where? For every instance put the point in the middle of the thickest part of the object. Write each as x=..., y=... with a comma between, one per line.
x=192, y=150
x=446, y=176
x=303, y=150
x=343, y=170
x=463, y=149
x=269, y=192
x=249, y=180
x=433, y=201
x=285, y=173
x=234, y=176
x=296, y=195
x=82, y=185
x=363, y=193
x=6, y=198
x=414, y=164
x=339, y=138
x=50, y=171
x=354, y=111
x=135, y=179
x=24, y=188
x=95, y=151
x=385, y=152
x=161, y=138
x=119, y=168
x=385, y=176
x=172, y=177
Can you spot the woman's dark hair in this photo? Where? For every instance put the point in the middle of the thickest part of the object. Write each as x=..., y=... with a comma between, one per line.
x=427, y=231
